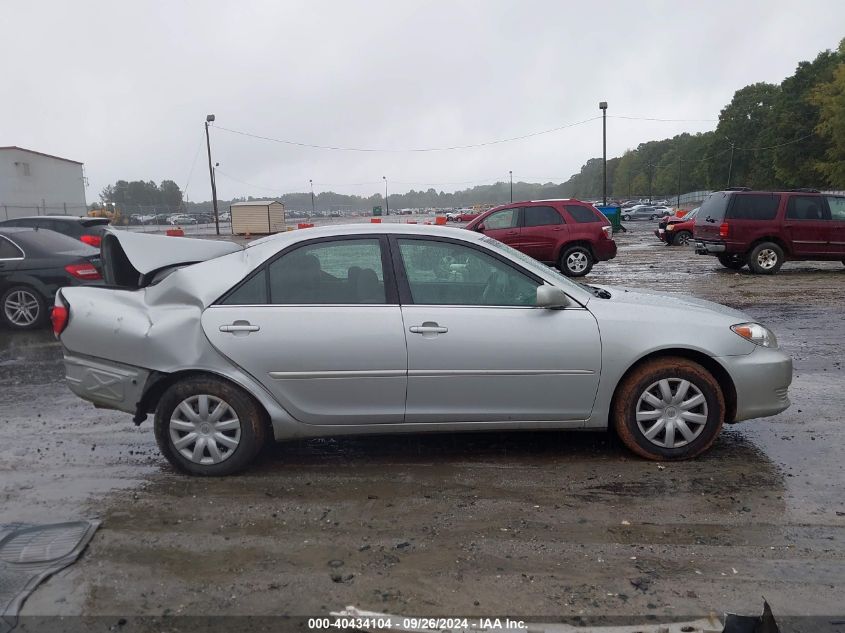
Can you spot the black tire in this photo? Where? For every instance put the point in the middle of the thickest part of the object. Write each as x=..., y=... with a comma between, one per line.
x=682, y=238
x=732, y=261
x=576, y=261
x=653, y=217
x=766, y=258
x=627, y=400
x=626, y=217
x=23, y=308
x=250, y=436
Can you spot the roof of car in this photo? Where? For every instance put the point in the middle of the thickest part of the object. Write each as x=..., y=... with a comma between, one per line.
x=57, y=217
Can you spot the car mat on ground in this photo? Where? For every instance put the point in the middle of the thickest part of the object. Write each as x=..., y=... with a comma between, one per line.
x=29, y=554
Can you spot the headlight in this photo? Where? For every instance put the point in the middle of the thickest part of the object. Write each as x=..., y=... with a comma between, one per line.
x=670, y=227
x=756, y=333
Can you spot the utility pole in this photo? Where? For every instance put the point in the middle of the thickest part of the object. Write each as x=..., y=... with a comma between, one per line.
x=603, y=108
x=386, y=203
x=210, y=119
x=650, y=176
x=731, y=164
x=678, y=204
x=511, y=174
x=311, y=182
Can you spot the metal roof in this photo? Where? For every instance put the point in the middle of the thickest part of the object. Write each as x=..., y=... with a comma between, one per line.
x=255, y=203
x=32, y=151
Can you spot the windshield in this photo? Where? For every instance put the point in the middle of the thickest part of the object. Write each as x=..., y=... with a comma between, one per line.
x=560, y=279
x=691, y=214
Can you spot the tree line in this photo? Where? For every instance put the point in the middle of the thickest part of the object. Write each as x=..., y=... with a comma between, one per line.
x=788, y=135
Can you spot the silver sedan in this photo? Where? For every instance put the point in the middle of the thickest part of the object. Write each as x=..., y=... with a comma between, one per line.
x=396, y=329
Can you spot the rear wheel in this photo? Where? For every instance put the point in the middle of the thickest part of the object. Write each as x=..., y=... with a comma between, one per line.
x=23, y=308
x=766, y=258
x=732, y=261
x=626, y=217
x=207, y=426
x=668, y=409
x=682, y=238
x=576, y=261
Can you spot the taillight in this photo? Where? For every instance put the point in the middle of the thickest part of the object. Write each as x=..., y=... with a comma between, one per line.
x=59, y=317
x=607, y=231
x=83, y=271
x=724, y=229
x=92, y=240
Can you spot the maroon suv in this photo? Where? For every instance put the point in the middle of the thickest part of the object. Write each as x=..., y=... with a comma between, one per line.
x=766, y=228
x=569, y=234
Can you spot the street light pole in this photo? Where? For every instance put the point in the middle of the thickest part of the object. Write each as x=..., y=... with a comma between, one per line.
x=511, y=174
x=603, y=108
x=311, y=182
x=386, y=203
x=210, y=119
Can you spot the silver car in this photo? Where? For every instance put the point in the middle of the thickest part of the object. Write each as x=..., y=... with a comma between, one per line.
x=396, y=329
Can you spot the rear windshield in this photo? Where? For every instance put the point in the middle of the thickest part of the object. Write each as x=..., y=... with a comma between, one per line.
x=754, y=206
x=43, y=243
x=713, y=207
x=89, y=222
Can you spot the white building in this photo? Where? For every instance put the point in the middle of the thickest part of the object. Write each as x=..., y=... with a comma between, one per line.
x=33, y=183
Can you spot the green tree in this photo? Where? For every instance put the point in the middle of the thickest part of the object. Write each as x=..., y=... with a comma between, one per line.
x=830, y=99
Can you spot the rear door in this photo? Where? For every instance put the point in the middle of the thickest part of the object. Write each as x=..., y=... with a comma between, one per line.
x=836, y=207
x=807, y=226
x=543, y=228
x=711, y=216
x=320, y=327
x=504, y=226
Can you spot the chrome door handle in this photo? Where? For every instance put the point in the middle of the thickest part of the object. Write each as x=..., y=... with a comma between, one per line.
x=239, y=326
x=428, y=328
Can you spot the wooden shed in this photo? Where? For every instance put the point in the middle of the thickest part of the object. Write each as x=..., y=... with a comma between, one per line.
x=257, y=217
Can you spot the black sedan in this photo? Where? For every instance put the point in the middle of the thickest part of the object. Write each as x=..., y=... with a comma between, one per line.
x=34, y=263
x=84, y=229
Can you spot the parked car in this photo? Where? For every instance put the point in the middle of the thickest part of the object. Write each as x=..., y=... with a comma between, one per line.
x=569, y=234
x=763, y=229
x=84, y=229
x=677, y=231
x=663, y=210
x=181, y=218
x=471, y=335
x=640, y=212
x=34, y=264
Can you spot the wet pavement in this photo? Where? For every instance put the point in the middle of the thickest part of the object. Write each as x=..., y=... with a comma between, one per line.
x=542, y=525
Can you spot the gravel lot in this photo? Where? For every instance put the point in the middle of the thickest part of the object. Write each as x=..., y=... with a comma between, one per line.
x=541, y=525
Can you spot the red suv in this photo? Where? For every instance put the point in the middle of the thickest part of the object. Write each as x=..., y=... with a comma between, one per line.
x=570, y=234
x=765, y=228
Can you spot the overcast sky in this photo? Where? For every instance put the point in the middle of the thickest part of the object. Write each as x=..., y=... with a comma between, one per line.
x=125, y=86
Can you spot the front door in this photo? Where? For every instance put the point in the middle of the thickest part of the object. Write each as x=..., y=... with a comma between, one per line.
x=542, y=228
x=320, y=327
x=478, y=349
x=807, y=226
x=503, y=226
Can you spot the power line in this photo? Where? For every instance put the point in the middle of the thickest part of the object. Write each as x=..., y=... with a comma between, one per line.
x=795, y=140
x=413, y=149
x=193, y=164
x=644, y=118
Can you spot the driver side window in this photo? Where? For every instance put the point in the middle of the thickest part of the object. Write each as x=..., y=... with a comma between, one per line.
x=444, y=273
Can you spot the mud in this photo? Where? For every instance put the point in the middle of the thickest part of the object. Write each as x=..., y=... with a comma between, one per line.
x=541, y=525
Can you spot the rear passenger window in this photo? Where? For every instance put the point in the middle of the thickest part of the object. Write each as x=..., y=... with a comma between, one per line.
x=754, y=206
x=837, y=207
x=540, y=216
x=805, y=208
x=581, y=214
x=344, y=271
x=9, y=250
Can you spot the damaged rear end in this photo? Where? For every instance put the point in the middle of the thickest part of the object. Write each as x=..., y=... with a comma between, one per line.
x=144, y=323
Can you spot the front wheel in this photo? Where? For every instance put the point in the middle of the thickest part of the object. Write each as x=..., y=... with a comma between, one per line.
x=732, y=261
x=668, y=409
x=626, y=217
x=576, y=261
x=766, y=258
x=23, y=308
x=682, y=238
x=209, y=427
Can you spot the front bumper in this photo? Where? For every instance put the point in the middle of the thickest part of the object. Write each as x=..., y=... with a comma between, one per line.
x=762, y=380
x=703, y=247
x=107, y=384
x=661, y=234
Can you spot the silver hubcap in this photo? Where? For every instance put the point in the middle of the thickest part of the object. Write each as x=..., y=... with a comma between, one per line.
x=205, y=429
x=22, y=308
x=767, y=258
x=671, y=413
x=684, y=239
x=576, y=262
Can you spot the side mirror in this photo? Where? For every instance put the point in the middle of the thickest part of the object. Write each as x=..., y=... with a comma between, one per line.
x=551, y=297
x=480, y=228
